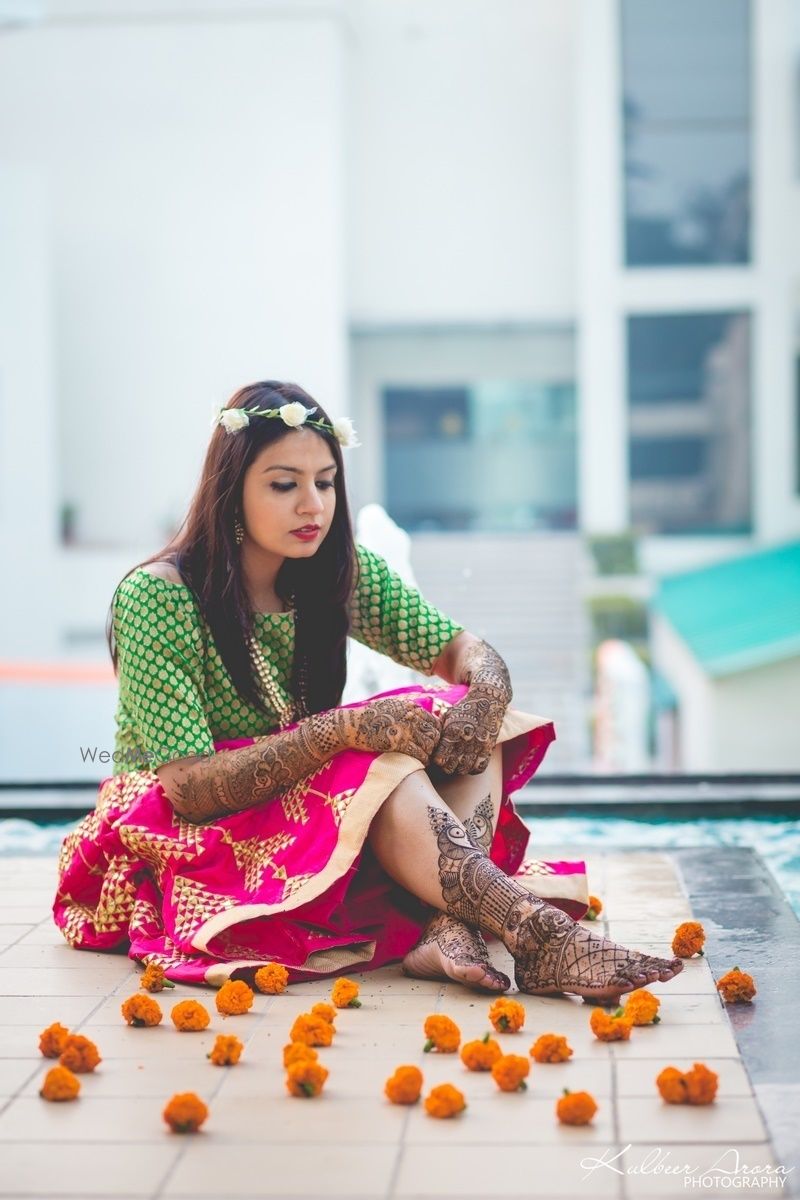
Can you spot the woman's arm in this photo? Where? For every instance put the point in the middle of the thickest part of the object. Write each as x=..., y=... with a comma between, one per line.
x=468, y=659
x=200, y=789
x=470, y=728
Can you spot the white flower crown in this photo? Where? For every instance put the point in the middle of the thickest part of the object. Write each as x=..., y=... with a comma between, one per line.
x=293, y=415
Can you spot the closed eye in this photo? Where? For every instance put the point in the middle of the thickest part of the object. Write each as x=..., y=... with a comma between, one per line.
x=285, y=487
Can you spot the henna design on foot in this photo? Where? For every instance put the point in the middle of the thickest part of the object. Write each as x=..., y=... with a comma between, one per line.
x=555, y=954
x=552, y=952
x=448, y=949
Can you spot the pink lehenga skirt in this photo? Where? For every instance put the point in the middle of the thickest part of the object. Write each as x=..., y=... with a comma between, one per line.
x=293, y=881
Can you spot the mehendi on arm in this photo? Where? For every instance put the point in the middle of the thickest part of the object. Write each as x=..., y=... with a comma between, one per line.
x=234, y=780
x=484, y=668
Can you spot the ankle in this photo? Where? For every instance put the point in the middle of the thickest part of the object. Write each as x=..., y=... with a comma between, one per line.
x=533, y=925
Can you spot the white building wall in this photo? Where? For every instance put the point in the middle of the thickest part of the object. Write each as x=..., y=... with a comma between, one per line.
x=226, y=192
x=696, y=716
x=462, y=184
x=755, y=719
x=195, y=172
x=29, y=595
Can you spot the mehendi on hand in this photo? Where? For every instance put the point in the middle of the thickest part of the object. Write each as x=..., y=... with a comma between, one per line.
x=471, y=727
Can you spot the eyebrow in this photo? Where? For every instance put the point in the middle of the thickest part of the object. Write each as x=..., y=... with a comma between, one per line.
x=297, y=470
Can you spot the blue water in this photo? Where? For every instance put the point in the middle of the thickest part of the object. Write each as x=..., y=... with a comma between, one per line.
x=777, y=840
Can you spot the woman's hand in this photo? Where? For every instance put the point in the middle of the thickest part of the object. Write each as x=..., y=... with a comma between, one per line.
x=391, y=724
x=469, y=732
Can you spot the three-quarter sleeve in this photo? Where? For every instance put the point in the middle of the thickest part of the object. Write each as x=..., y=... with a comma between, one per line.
x=159, y=640
x=390, y=616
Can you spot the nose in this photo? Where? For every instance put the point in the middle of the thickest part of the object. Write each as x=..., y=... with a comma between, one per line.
x=311, y=502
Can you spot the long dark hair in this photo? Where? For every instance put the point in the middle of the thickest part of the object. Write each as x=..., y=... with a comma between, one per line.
x=205, y=554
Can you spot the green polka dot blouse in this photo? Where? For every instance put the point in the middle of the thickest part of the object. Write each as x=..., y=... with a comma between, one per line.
x=175, y=695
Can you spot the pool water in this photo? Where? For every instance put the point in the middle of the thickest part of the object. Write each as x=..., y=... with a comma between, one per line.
x=776, y=839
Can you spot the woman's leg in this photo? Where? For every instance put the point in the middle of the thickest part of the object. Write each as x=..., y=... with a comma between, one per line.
x=449, y=949
x=421, y=844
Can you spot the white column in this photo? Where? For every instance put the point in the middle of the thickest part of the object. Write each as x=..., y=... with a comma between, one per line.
x=601, y=374
x=776, y=243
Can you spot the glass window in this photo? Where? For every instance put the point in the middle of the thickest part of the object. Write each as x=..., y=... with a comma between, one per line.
x=486, y=456
x=686, y=120
x=689, y=423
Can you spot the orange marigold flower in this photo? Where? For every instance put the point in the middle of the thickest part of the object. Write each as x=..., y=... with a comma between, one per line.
x=641, y=1007
x=326, y=1011
x=185, y=1112
x=142, y=1010
x=507, y=1016
x=594, y=909
x=701, y=1084
x=575, y=1108
x=671, y=1083
x=295, y=1051
x=188, y=1016
x=610, y=1027
x=60, y=1084
x=551, y=1048
x=79, y=1054
x=234, y=998
x=405, y=1086
x=444, y=1101
x=344, y=994
x=305, y=1078
x=312, y=1030
x=53, y=1039
x=443, y=1034
x=698, y=1086
x=226, y=1051
x=688, y=939
x=509, y=1072
x=481, y=1055
x=272, y=979
x=736, y=987
x=153, y=979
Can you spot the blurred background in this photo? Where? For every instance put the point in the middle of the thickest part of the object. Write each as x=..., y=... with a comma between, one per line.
x=544, y=253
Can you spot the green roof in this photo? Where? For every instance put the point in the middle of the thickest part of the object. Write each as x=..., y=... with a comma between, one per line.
x=737, y=614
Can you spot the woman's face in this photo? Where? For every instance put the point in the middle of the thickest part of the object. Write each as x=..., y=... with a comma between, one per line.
x=288, y=485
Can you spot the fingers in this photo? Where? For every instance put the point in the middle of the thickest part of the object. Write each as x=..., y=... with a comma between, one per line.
x=456, y=759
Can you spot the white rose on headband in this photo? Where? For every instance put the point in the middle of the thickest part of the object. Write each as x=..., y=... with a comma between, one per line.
x=233, y=419
x=295, y=414
x=344, y=432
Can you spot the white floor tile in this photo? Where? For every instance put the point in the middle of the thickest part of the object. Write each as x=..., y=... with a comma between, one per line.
x=267, y=1170
x=86, y=1169
x=510, y=1170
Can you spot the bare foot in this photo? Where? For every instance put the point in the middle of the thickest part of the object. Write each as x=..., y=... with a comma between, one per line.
x=448, y=949
x=555, y=954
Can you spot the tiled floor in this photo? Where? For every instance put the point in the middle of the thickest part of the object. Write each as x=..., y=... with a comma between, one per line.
x=351, y=1142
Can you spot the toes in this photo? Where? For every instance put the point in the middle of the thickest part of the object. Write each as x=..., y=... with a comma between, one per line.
x=497, y=980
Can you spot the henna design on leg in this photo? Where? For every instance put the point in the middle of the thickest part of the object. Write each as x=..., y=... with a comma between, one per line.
x=480, y=826
x=474, y=889
x=456, y=949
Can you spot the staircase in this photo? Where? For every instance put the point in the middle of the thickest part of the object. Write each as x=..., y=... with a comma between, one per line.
x=523, y=593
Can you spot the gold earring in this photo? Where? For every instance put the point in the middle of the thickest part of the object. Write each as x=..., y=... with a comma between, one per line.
x=238, y=531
